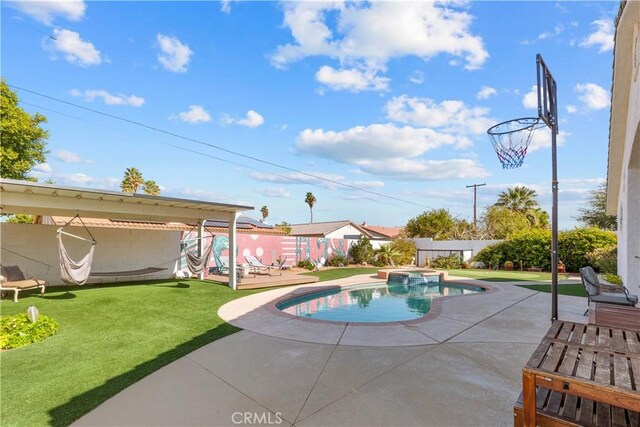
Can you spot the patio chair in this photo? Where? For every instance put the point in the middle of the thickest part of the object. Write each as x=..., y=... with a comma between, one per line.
x=256, y=266
x=13, y=279
x=603, y=293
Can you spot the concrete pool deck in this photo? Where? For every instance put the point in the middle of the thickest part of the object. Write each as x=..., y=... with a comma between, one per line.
x=465, y=372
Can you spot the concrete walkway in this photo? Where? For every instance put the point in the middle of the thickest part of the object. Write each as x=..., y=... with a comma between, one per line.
x=468, y=375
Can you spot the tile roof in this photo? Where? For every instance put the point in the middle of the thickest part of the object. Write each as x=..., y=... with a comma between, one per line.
x=322, y=228
x=244, y=225
x=390, y=232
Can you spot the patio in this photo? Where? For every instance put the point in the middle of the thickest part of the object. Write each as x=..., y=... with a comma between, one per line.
x=466, y=370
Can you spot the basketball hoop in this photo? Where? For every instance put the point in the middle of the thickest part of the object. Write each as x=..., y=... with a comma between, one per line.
x=511, y=139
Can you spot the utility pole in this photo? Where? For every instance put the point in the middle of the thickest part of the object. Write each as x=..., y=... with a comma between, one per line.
x=475, y=189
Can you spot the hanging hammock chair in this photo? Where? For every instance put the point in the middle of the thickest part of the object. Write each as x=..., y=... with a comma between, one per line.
x=197, y=264
x=75, y=272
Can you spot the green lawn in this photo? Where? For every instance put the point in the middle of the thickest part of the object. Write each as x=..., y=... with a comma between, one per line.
x=109, y=338
x=576, y=290
x=501, y=275
x=341, y=273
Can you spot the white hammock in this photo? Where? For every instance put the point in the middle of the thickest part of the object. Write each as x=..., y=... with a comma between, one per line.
x=71, y=271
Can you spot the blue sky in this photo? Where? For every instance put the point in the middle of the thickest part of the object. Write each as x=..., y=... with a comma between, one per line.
x=387, y=96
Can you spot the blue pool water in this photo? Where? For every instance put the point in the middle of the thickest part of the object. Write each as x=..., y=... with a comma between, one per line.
x=375, y=302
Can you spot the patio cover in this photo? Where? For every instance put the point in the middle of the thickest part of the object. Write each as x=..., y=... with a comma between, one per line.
x=34, y=198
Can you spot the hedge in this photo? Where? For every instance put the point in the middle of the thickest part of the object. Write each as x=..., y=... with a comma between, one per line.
x=533, y=248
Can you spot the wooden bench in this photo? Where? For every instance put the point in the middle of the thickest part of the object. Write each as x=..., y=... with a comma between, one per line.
x=560, y=409
x=615, y=316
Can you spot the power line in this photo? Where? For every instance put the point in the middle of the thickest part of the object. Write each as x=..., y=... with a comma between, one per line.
x=197, y=152
x=214, y=146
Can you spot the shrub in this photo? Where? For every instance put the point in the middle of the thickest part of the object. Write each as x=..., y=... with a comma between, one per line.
x=337, y=261
x=378, y=263
x=361, y=252
x=508, y=266
x=305, y=263
x=385, y=255
x=604, y=260
x=447, y=262
x=533, y=248
x=17, y=331
x=404, y=249
x=614, y=279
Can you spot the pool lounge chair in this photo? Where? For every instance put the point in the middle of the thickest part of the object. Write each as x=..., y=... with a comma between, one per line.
x=13, y=279
x=602, y=293
x=256, y=266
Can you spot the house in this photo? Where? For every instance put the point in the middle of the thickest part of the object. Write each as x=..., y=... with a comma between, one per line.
x=330, y=230
x=623, y=176
x=383, y=232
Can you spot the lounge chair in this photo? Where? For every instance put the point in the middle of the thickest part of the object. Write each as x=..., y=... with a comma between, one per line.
x=13, y=279
x=602, y=293
x=256, y=266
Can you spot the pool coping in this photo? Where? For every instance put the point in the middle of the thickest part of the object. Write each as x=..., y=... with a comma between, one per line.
x=434, y=311
x=258, y=313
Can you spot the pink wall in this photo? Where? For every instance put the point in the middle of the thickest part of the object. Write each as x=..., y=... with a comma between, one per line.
x=270, y=248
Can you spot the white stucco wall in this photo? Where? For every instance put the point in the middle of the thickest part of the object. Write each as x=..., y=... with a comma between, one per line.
x=352, y=233
x=433, y=248
x=117, y=250
x=629, y=191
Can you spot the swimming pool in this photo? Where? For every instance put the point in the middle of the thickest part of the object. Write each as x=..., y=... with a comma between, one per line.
x=374, y=302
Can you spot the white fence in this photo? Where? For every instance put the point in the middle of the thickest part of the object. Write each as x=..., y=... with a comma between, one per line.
x=429, y=249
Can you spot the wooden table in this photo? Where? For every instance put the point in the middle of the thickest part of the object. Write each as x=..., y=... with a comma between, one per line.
x=600, y=365
x=615, y=316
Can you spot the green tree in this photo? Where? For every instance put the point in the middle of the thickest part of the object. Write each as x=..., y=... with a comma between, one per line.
x=501, y=223
x=265, y=212
x=151, y=188
x=518, y=198
x=595, y=215
x=284, y=226
x=387, y=254
x=361, y=252
x=405, y=249
x=132, y=180
x=22, y=140
x=310, y=199
x=436, y=223
x=21, y=219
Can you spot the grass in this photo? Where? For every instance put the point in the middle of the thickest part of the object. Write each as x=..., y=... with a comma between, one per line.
x=576, y=290
x=501, y=275
x=341, y=273
x=110, y=336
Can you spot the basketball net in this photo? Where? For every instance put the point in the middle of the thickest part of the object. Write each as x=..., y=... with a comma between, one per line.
x=511, y=139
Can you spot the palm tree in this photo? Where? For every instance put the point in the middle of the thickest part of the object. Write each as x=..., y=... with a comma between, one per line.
x=265, y=212
x=132, y=180
x=519, y=198
x=310, y=200
x=151, y=188
x=387, y=254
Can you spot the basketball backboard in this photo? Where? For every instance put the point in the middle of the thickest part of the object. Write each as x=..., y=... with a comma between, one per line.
x=547, y=95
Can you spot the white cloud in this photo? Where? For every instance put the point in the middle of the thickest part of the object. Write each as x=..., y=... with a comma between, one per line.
x=252, y=120
x=486, y=92
x=371, y=34
x=602, y=37
x=46, y=11
x=225, y=6
x=571, y=109
x=425, y=170
x=174, y=55
x=70, y=157
x=541, y=138
x=557, y=30
x=79, y=180
x=373, y=142
x=593, y=97
x=43, y=167
x=109, y=99
x=450, y=115
x=196, y=114
x=75, y=50
x=278, y=192
x=530, y=99
x=417, y=77
x=316, y=178
x=352, y=79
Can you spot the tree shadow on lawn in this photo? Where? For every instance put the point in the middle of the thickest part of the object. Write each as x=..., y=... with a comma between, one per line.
x=82, y=404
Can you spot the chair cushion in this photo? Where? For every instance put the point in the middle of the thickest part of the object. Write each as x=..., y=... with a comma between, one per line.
x=615, y=298
x=12, y=273
x=590, y=280
x=24, y=284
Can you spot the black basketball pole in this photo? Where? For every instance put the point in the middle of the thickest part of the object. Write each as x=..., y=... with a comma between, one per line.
x=549, y=97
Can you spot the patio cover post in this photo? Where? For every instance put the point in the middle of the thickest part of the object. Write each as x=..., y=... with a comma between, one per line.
x=201, y=244
x=233, y=218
